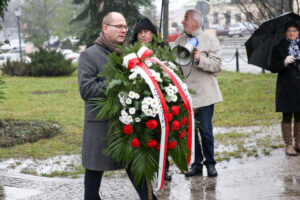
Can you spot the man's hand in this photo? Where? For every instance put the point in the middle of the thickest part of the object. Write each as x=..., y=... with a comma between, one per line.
x=196, y=55
x=289, y=60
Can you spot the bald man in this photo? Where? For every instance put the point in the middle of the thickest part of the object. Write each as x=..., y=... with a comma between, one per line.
x=91, y=63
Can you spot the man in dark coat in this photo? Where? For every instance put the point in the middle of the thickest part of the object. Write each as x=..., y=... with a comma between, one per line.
x=144, y=31
x=91, y=63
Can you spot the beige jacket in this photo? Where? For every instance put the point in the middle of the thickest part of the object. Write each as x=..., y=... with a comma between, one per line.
x=202, y=77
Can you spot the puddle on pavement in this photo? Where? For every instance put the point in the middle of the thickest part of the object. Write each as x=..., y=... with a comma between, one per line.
x=13, y=193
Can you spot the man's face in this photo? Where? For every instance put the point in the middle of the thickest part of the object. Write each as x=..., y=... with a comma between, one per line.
x=115, y=31
x=145, y=36
x=189, y=24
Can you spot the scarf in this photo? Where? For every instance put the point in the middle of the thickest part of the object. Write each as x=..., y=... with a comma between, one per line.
x=294, y=49
x=102, y=41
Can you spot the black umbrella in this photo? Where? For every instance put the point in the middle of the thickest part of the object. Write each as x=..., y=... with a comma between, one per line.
x=259, y=46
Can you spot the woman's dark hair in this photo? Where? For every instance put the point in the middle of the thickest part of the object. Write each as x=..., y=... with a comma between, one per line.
x=291, y=24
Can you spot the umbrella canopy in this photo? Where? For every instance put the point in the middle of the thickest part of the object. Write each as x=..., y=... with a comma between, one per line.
x=259, y=46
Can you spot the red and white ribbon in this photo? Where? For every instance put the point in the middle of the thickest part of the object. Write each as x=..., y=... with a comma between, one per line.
x=144, y=54
x=129, y=62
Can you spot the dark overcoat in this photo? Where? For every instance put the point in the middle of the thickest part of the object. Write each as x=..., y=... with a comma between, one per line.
x=288, y=79
x=91, y=63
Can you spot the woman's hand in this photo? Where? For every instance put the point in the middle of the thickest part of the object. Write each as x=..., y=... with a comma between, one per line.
x=289, y=60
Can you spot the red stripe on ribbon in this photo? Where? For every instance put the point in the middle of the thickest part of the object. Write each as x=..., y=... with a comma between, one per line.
x=132, y=62
x=186, y=102
x=165, y=112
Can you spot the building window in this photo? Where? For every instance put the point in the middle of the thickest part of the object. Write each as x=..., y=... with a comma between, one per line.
x=238, y=17
x=215, y=18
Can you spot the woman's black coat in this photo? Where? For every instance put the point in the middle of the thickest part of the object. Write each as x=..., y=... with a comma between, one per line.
x=288, y=79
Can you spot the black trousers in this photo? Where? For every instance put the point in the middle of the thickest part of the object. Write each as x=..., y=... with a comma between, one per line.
x=92, y=182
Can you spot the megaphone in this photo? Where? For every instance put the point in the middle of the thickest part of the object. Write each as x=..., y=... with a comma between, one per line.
x=184, y=54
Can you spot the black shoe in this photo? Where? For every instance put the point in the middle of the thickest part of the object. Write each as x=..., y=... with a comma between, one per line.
x=194, y=171
x=211, y=170
x=168, y=176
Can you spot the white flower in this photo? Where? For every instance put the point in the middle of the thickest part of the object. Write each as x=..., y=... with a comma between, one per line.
x=124, y=113
x=131, y=94
x=156, y=110
x=168, y=99
x=145, y=107
x=137, y=119
x=154, y=103
x=129, y=118
x=148, y=112
x=174, y=98
x=148, y=100
x=128, y=101
x=137, y=96
x=170, y=92
x=132, y=110
x=124, y=120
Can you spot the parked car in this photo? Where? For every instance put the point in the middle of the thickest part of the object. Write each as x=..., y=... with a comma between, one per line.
x=12, y=57
x=173, y=34
x=251, y=27
x=74, y=56
x=13, y=45
x=222, y=30
x=242, y=29
x=70, y=54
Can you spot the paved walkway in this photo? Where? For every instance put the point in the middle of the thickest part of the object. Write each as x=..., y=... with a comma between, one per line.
x=272, y=177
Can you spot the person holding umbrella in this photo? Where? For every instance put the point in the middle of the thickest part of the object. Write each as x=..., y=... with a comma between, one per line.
x=285, y=61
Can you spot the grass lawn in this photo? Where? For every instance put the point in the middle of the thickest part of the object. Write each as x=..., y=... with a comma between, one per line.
x=248, y=100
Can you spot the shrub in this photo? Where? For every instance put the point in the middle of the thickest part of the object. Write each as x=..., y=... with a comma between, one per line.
x=16, y=68
x=13, y=132
x=50, y=63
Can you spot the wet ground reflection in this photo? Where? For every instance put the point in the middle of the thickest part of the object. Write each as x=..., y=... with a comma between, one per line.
x=2, y=194
x=274, y=177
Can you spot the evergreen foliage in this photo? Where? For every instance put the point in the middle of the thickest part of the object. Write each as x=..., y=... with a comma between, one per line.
x=43, y=63
x=3, y=7
x=143, y=160
x=96, y=10
x=50, y=63
x=16, y=68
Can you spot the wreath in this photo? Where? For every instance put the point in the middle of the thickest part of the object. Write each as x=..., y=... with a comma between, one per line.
x=149, y=110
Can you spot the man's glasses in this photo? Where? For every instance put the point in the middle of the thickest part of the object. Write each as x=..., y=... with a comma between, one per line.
x=120, y=27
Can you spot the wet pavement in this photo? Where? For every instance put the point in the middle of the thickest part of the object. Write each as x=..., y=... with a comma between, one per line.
x=276, y=176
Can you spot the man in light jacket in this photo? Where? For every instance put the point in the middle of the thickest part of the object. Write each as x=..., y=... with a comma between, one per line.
x=200, y=76
x=91, y=63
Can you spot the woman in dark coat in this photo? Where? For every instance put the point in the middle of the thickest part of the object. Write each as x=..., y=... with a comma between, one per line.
x=286, y=62
x=144, y=31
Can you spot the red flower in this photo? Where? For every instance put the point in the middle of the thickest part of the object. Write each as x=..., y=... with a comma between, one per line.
x=183, y=121
x=185, y=106
x=175, y=110
x=182, y=134
x=172, y=145
x=169, y=116
x=175, y=125
x=127, y=129
x=152, y=143
x=135, y=142
x=158, y=147
x=152, y=124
